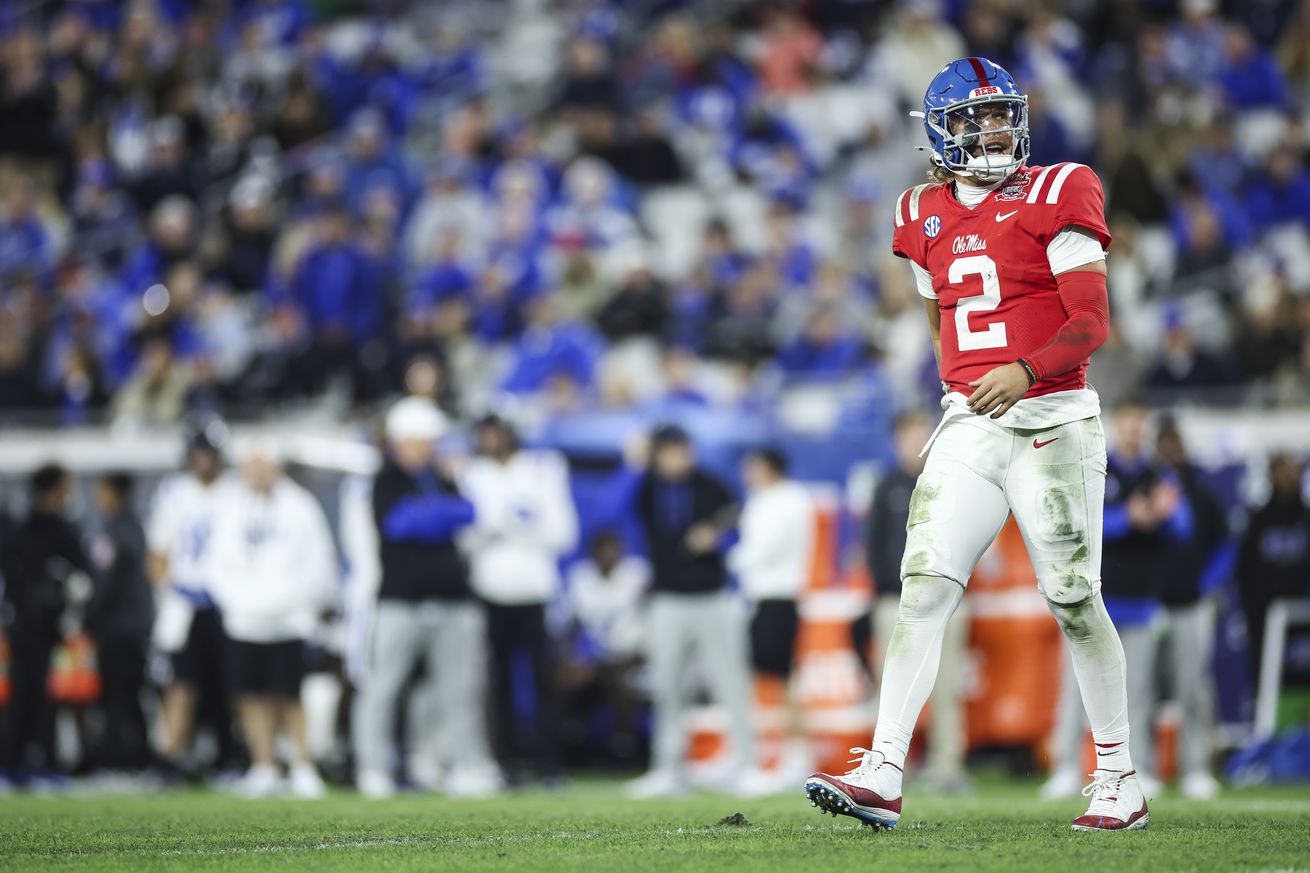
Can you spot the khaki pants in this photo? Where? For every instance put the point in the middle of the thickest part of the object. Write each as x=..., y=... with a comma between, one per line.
x=946, y=734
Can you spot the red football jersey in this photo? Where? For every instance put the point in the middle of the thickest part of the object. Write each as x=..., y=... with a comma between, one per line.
x=989, y=266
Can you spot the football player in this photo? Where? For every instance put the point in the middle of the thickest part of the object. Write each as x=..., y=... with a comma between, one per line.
x=1010, y=262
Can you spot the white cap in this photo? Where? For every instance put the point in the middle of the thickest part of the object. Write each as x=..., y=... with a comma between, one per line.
x=415, y=418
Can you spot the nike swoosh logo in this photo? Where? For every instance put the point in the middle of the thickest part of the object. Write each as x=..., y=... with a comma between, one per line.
x=1037, y=445
x=1001, y=216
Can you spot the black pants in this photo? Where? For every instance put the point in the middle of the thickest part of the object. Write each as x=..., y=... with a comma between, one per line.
x=123, y=743
x=524, y=709
x=30, y=731
x=202, y=663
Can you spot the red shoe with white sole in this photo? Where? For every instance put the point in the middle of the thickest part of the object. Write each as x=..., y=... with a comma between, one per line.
x=869, y=793
x=1117, y=803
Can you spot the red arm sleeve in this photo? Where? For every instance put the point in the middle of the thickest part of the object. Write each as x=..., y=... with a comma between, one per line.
x=1087, y=308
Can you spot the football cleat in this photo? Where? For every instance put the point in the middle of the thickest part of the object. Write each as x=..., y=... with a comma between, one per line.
x=869, y=793
x=1117, y=803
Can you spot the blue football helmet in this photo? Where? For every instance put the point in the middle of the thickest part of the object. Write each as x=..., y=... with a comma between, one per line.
x=955, y=105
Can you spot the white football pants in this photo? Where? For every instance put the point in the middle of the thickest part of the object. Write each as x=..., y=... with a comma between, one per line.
x=977, y=473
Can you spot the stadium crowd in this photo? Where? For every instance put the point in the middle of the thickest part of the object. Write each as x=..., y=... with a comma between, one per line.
x=267, y=208
x=238, y=205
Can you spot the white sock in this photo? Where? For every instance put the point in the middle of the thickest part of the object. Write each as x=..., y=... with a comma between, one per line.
x=913, y=655
x=1098, y=662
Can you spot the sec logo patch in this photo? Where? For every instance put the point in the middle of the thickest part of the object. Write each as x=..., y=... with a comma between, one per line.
x=932, y=225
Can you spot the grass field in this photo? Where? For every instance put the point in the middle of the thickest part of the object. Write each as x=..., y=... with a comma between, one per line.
x=589, y=827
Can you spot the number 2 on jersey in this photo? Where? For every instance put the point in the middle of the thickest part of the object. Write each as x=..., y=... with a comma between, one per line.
x=990, y=298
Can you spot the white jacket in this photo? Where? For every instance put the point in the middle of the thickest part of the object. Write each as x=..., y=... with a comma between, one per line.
x=774, y=555
x=275, y=565
x=609, y=608
x=524, y=522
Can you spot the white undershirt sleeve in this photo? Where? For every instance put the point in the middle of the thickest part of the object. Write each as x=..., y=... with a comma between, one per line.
x=923, y=281
x=1072, y=248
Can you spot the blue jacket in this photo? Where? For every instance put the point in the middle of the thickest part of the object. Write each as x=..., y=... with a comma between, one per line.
x=567, y=349
x=337, y=285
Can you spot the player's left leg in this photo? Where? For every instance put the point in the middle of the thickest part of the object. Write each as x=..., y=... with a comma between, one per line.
x=1056, y=490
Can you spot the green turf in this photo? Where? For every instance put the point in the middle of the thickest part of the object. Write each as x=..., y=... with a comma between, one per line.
x=590, y=827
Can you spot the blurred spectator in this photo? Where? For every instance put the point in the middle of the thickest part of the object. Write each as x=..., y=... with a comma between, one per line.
x=27, y=101
x=788, y=52
x=335, y=291
x=251, y=233
x=171, y=239
x=1291, y=382
x=103, y=219
x=911, y=50
x=685, y=512
x=275, y=570
x=80, y=390
x=20, y=387
x=26, y=246
x=1196, y=42
x=1248, y=75
x=1198, y=564
x=823, y=350
x=169, y=171
x=1267, y=333
x=1279, y=193
x=155, y=394
x=40, y=560
x=1183, y=365
x=524, y=523
x=119, y=619
x=638, y=308
x=450, y=218
x=425, y=612
x=1274, y=558
x=588, y=82
x=188, y=627
x=889, y=515
x=643, y=153
x=590, y=215
x=551, y=351
x=605, y=595
x=742, y=315
x=302, y=115
x=773, y=561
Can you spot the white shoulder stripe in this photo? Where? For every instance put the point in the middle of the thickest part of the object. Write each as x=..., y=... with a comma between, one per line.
x=1037, y=186
x=1058, y=183
x=900, y=201
x=914, y=200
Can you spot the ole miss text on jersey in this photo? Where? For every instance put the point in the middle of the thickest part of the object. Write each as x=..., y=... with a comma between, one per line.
x=989, y=266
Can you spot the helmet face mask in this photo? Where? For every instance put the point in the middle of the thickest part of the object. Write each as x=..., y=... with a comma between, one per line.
x=976, y=120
